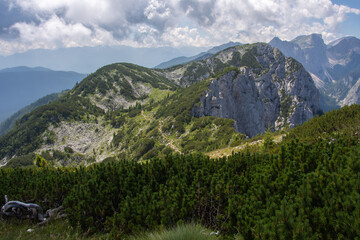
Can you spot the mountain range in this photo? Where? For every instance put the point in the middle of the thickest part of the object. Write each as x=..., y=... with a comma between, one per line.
x=334, y=67
x=21, y=86
x=200, y=56
x=10, y=122
x=89, y=59
x=212, y=100
x=134, y=112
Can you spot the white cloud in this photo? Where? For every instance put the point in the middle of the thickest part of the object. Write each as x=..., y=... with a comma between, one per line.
x=55, y=33
x=263, y=19
x=52, y=30
x=157, y=9
x=65, y=23
x=180, y=35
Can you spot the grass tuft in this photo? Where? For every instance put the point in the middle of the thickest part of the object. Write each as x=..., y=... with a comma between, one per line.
x=182, y=232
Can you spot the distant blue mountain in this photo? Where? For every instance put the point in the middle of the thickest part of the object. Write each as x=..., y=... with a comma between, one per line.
x=25, y=69
x=21, y=86
x=10, y=122
x=198, y=57
x=89, y=59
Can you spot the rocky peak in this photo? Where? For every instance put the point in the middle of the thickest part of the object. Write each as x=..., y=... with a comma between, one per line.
x=334, y=67
x=344, y=47
x=310, y=41
x=267, y=89
x=314, y=52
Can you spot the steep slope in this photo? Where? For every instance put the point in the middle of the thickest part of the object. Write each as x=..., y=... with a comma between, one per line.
x=344, y=56
x=22, y=86
x=124, y=111
x=310, y=50
x=77, y=121
x=334, y=67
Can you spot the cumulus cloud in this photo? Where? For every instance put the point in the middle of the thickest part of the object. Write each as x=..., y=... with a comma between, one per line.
x=55, y=32
x=66, y=23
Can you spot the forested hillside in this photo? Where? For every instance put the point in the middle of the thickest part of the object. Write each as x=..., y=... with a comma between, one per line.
x=305, y=187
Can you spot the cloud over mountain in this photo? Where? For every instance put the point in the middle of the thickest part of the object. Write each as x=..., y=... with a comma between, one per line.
x=69, y=23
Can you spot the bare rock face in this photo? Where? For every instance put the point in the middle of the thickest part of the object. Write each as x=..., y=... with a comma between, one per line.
x=234, y=96
x=277, y=93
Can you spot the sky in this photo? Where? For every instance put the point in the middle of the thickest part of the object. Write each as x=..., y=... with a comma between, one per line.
x=53, y=24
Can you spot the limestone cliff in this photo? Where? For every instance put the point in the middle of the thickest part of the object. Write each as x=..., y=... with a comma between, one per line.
x=275, y=92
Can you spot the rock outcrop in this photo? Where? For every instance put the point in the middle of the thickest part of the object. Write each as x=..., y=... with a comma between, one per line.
x=281, y=94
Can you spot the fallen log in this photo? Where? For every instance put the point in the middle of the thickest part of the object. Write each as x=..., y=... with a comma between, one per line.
x=32, y=211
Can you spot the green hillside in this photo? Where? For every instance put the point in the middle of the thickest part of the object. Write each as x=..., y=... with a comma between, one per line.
x=304, y=187
x=27, y=135
x=125, y=111
x=161, y=126
x=136, y=106
x=87, y=103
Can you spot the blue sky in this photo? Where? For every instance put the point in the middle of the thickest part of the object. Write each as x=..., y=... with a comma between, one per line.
x=33, y=24
x=351, y=26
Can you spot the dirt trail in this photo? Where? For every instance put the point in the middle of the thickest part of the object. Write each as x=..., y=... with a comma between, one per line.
x=229, y=150
x=170, y=142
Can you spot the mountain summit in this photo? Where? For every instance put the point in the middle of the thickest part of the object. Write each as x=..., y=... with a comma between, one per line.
x=262, y=88
x=334, y=67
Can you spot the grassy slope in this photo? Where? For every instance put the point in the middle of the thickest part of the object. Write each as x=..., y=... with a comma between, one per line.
x=77, y=105
x=28, y=230
x=167, y=126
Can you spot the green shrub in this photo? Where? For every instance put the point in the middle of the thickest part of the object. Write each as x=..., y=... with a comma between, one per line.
x=68, y=150
x=23, y=161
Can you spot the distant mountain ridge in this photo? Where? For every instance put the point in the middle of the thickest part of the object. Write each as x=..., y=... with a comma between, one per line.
x=25, y=69
x=198, y=57
x=334, y=67
x=21, y=86
x=89, y=59
x=10, y=122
